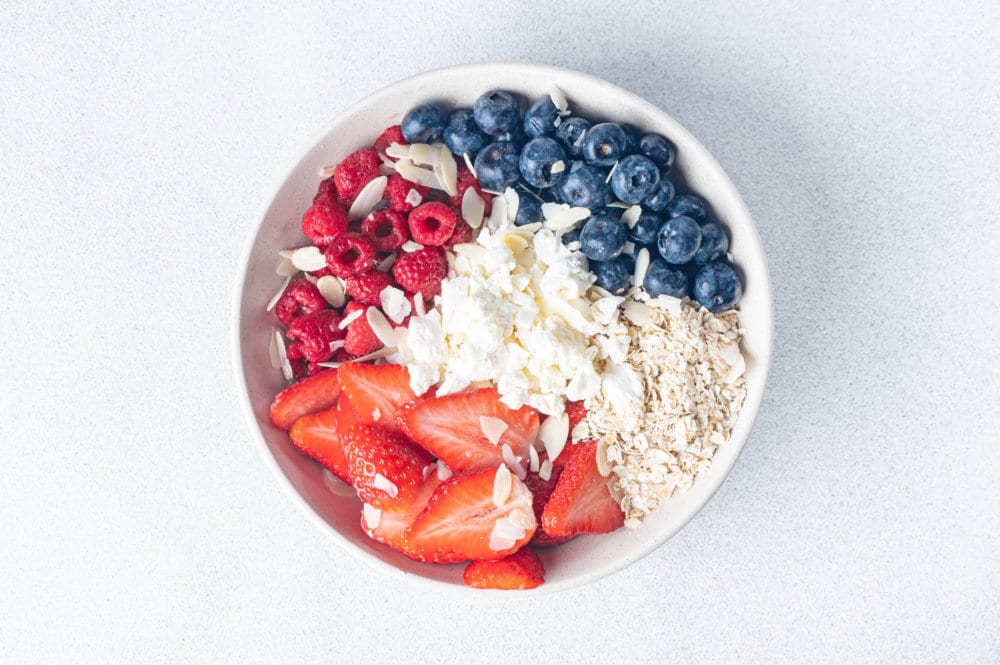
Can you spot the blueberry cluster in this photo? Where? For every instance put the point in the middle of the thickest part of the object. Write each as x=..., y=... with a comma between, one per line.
x=547, y=156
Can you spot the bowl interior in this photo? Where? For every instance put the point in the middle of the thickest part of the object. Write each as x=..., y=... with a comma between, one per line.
x=584, y=558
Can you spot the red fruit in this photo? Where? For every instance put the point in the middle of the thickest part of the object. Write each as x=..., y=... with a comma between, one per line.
x=361, y=339
x=349, y=255
x=399, y=418
x=385, y=468
x=317, y=435
x=386, y=230
x=315, y=332
x=347, y=417
x=421, y=271
x=466, y=180
x=309, y=395
x=541, y=491
x=366, y=287
x=431, y=223
x=326, y=191
x=459, y=521
x=521, y=570
x=324, y=221
x=356, y=171
x=391, y=135
x=462, y=233
x=581, y=501
x=388, y=525
x=301, y=297
x=315, y=368
x=376, y=391
x=450, y=428
x=398, y=189
x=576, y=412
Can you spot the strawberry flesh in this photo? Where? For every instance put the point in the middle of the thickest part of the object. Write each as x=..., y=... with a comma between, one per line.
x=316, y=434
x=385, y=468
x=521, y=570
x=376, y=391
x=392, y=523
x=581, y=502
x=312, y=394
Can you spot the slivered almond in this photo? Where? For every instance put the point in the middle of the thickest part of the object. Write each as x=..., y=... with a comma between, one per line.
x=332, y=290
x=502, y=485
x=277, y=296
x=372, y=516
x=473, y=207
x=641, y=266
x=512, y=461
x=380, y=326
x=448, y=171
x=492, y=428
x=349, y=319
x=553, y=433
x=367, y=198
x=308, y=259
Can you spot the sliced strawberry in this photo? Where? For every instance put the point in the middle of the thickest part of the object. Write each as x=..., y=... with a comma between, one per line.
x=581, y=502
x=347, y=417
x=385, y=468
x=451, y=428
x=389, y=525
x=521, y=570
x=376, y=391
x=400, y=416
x=541, y=491
x=576, y=412
x=316, y=435
x=461, y=521
x=311, y=394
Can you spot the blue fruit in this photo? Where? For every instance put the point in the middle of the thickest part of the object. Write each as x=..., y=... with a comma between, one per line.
x=661, y=197
x=662, y=278
x=585, y=185
x=497, y=112
x=631, y=138
x=517, y=137
x=462, y=135
x=497, y=166
x=604, y=144
x=688, y=205
x=679, y=240
x=611, y=275
x=659, y=149
x=717, y=287
x=529, y=209
x=602, y=238
x=538, y=159
x=540, y=118
x=571, y=133
x=635, y=178
x=646, y=230
x=571, y=236
x=423, y=124
x=714, y=243
x=611, y=211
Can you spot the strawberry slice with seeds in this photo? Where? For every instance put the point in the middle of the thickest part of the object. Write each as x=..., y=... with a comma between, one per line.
x=541, y=492
x=347, y=417
x=376, y=391
x=455, y=428
x=581, y=502
x=521, y=570
x=385, y=468
x=316, y=434
x=312, y=394
x=388, y=525
x=462, y=520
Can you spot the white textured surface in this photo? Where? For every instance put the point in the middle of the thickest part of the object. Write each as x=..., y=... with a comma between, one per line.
x=862, y=523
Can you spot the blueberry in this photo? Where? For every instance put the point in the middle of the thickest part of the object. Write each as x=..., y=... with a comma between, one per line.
x=635, y=178
x=714, y=243
x=423, y=124
x=679, y=240
x=717, y=287
x=661, y=197
x=611, y=275
x=585, y=186
x=517, y=137
x=662, y=278
x=571, y=236
x=497, y=166
x=571, y=134
x=540, y=118
x=647, y=229
x=462, y=134
x=529, y=209
x=631, y=138
x=604, y=144
x=688, y=205
x=612, y=211
x=497, y=112
x=550, y=195
x=543, y=162
x=602, y=238
x=659, y=149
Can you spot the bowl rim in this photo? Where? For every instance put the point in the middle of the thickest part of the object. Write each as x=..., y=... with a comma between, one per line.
x=750, y=409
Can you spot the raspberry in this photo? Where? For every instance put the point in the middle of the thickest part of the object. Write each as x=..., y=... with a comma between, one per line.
x=315, y=332
x=398, y=188
x=323, y=222
x=349, y=255
x=391, y=135
x=293, y=350
x=300, y=298
x=366, y=287
x=466, y=180
x=431, y=223
x=326, y=192
x=356, y=171
x=462, y=233
x=386, y=230
x=421, y=271
x=360, y=339
x=314, y=368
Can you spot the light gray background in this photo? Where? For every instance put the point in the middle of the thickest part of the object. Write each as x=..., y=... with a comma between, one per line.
x=137, y=521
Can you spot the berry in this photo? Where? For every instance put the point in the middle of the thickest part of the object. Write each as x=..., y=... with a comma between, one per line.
x=356, y=171
x=376, y=391
x=462, y=135
x=347, y=417
x=646, y=229
x=542, y=162
x=316, y=435
x=360, y=339
x=421, y=271
x=463, y=233
x=397, y=190
x=497, y=112
x=521, y=570
x=602, y=238
x=497, y=166
x=571, y=236
x=679, y=240
x=391, y=135
x=326, y=192
x=529, y=209
x=714, y=243
x=349, y=255
x=540, y=118
x=466, y=180
x=459, y=520
x=604, y=144
x=386, y=230
x=324, y=221
x=313, y=368
x=399, y=418
x=571, y=134
x=658, y=149
x=661, y=197
x=631, y=138
x=717, y=287
x=613, y=275
x=301, y=297
x=312, y=394
x=315, y=332
x=385, y=468
x=662, y=278
x=450, y=428
x=585, y=186
x=517, y=138
x=581, y=502
x=393, y=521
x=635, y=178
x=431, y=223
x=423, y=124
x=541, y=491
x=366, y=287
x=688, y=205
x=576, y=411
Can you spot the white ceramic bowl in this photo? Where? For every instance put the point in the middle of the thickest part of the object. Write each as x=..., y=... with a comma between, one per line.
x=585, y=558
